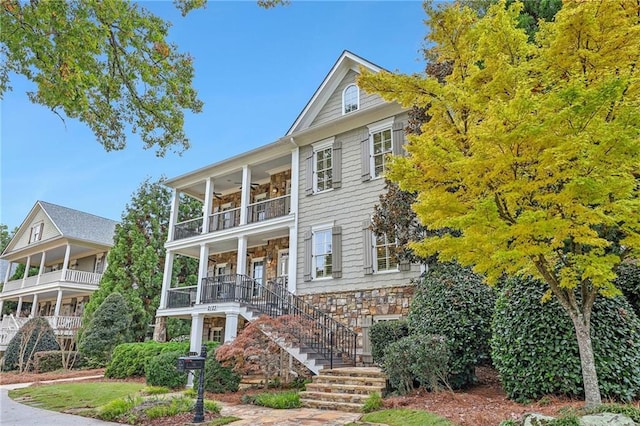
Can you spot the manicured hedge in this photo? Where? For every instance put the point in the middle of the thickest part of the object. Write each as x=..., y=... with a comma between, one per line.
x=130, y=359
x=535, y=351
x=161, y=370
x=383, y=333
x=34, y=336
x=454, y=302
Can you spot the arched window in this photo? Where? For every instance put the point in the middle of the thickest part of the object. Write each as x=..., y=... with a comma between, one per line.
x=350, y=99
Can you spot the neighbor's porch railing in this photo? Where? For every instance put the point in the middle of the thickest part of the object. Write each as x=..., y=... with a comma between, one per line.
x=71, y=275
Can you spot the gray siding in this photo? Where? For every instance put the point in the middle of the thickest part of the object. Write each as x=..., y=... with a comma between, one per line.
x=48, y=231
x=333, y=108
x=346, y=207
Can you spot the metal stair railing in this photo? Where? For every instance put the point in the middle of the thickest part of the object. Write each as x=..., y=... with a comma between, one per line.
x=305, y=323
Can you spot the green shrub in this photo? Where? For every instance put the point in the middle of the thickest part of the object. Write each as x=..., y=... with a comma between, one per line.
x=46, y=361
x=424, y=359
x=217, y=378
x=372, y=403
x=280, y=400
x=384, y=333
x=161, y=370
x=454, y=302
x=109, y=327
x=536, y=353
x=155, y=390
x=628, y=410
x=628, y=281
x=118, y=407
x=36, y=335
x=130, y=359
x=169, y=407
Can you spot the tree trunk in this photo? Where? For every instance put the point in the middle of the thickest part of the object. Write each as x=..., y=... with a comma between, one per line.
x=160, y=330
x=592, y=396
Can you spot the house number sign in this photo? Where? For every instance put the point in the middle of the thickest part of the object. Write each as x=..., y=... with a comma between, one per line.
x=212, y=308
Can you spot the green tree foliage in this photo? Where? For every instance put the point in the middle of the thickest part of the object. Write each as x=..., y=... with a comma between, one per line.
x=531, y=152
x=5, y=237
x=105, y=63
x=136, y=261
x=34, y=336
x=109, y=326
x=454, y=302
x=536, y=353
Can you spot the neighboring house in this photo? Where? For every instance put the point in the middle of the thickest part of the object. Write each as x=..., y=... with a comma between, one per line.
x=69, y=249
x=285, y=229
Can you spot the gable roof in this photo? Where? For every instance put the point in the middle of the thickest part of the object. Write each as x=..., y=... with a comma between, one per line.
x=80, y=225
x=72, y=224
x=347, y=61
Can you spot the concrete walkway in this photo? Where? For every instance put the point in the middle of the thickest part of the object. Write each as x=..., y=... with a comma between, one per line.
x=15, y=414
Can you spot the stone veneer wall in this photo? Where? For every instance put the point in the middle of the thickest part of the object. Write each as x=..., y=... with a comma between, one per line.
x=358, y=309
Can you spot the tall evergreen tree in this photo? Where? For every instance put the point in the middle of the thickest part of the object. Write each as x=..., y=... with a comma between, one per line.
x=136, y=261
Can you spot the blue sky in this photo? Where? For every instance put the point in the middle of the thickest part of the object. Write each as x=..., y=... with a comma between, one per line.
x=255, y=71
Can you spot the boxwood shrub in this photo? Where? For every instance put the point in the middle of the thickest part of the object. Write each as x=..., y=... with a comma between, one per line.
x=130, y=359
x=535, y=350
x=161, y=370
x=34, y=336
x=454, y=302
x=383, y=333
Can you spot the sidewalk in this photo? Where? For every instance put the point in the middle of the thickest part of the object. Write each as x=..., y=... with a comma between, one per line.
x=15, y=414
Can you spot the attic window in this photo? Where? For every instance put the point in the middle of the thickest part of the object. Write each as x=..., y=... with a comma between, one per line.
x=36, y=233
x=350, y=99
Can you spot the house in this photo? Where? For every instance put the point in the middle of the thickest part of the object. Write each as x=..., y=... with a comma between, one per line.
x=63, y=252
x=285, y=230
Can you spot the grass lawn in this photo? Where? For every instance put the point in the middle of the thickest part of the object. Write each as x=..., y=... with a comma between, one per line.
x=67, y=396
x=405, y=417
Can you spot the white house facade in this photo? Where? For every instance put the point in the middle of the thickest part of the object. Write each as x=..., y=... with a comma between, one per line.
x=64, y=253
x=285, y=230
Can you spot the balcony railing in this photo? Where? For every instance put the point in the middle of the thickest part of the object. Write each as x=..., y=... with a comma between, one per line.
x=224, y=220
x=181, y=297
x=61, y=325
x=71, y=275
x=188, y=228
x=268, y=209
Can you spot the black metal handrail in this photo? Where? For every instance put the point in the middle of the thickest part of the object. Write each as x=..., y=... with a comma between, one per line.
x=306, y=324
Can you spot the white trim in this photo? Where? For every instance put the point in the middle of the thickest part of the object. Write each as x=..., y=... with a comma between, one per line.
x=317, y=147
x=378, y=127
x=381, y=125
x=314, y=230
x=389, y=317
x=325, y=143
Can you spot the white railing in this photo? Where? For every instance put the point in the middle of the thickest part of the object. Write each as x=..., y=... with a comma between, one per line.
x=62, y=326
x=74, y=276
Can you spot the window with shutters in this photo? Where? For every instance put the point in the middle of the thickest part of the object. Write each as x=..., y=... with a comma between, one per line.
x=322, y=254
x=324, y=167
x=350, y=99
x=386, y=249
x=36, y=233
x=380, y=140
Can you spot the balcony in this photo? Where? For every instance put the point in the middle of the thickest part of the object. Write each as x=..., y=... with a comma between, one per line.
x=188, y=228
x=268, y=209
x=70, y=275
x=224, y=220
x=182, y=297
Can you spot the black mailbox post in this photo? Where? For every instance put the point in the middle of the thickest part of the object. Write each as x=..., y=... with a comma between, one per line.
x=190, y=363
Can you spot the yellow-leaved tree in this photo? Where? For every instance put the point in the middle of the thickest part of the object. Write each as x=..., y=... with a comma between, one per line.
x=532, y=151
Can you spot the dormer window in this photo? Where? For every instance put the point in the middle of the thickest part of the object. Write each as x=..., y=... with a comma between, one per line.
x=350, y=99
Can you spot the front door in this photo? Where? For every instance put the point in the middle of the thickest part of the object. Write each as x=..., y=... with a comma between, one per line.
x=257, y=273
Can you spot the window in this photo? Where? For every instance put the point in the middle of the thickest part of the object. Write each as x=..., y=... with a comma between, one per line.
x=323, y=252
x=379, y=140
x=260, y=207
x=350, y=99
x=381, y=146
x=322, y=262
x=36, y=233
x=324, y=166
x=386, y=253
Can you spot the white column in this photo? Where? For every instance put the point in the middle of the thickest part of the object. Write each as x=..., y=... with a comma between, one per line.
x=34, y=306
x=7, y=274
x=245, y=194
x=206, y=207
x=230, y=327
x=173, y=214
x=166, y=278
x=241, y=259
x=65, y=264
x=295, y=182
x=19, y=308
x=58, y=303
x=293, y=259
x=42, y=261
x=27, y=266
x=202, y=269
x=197, y=325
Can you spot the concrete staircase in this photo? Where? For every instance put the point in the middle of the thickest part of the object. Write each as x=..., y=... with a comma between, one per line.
x=344, y=389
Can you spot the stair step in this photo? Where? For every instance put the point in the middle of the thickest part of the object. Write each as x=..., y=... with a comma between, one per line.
x=329, y=405
x=353, y=398
x=355, y=372
x=354, y=381
x=343, y=388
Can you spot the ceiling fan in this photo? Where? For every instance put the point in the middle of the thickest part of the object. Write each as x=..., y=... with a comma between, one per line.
x=253, y=185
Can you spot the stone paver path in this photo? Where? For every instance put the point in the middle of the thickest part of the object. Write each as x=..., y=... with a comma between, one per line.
x=252, y=415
